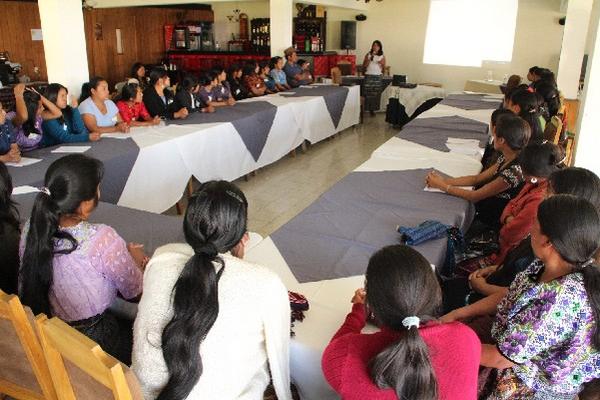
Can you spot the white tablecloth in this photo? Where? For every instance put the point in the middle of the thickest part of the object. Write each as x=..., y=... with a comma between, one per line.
x=330, y=299
x=411, y=99
x=170, y=155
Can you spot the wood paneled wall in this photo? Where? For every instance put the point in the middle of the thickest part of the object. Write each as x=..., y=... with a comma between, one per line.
x=142, y=37
x=17, y=18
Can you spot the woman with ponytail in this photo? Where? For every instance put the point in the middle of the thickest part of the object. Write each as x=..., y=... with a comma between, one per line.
x=73, y=269
x=526, y=104
x=546, y=330
x=209, y=325
x=413, y=356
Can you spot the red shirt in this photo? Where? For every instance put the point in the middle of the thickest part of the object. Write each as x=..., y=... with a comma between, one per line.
x=137, y=112
x=454, y=349
x=523, y=210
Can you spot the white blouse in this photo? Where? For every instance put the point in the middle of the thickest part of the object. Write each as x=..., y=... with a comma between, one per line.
x=374, y=68
x=249, y=338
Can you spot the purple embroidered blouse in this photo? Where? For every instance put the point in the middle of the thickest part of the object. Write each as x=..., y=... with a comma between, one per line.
x=87, y=280
x=31, y=142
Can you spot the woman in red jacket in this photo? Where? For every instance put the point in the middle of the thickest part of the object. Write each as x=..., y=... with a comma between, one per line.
x=413, y=356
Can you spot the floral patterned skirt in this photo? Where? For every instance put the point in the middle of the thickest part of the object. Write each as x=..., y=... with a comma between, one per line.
x=505, y=385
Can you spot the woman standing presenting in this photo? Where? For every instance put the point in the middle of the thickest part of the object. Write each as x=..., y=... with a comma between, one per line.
x=373, y=65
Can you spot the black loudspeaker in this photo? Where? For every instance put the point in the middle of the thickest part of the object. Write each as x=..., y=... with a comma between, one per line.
x=348, y=35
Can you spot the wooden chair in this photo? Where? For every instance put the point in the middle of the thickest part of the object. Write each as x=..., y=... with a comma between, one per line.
x=554, y=129
x=80, y=369
x=23, y=370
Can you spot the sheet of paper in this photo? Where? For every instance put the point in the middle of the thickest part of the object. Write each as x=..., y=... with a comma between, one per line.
x=434, y=190
x=71, y=149
x=25, y=161
x=24, y=190
x=286, y=93
x=117, y=135
x=468, y=150
x=452, y=140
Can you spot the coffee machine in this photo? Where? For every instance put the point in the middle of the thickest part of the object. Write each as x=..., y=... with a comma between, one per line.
x=8, y=70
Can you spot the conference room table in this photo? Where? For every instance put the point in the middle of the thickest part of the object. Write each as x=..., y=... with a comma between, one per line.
x=148, y=168
x=323, y=251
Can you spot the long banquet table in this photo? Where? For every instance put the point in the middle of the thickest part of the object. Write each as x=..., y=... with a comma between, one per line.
x=323, y=252
x=149, y=168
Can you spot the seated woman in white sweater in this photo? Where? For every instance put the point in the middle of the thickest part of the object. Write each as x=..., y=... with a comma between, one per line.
x=209, y=325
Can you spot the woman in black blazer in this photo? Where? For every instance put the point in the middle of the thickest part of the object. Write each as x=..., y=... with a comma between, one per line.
x=159, y=100
x=186, y=96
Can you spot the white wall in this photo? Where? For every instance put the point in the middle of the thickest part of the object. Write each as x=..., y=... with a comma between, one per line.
x=401, y=26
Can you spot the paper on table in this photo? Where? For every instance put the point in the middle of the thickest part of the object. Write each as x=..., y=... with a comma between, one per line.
x=71, y=149
x=462, y=149
x=117, y=135
x=434, y=190
x=453, y=140
x=24, y=190
x=25, y=161
x=286, y=93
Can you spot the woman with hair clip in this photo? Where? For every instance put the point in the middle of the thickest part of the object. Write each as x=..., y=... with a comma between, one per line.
x=69, y=127
x=31, y=110
x=210, y=325
x=413, y=356
x=158, y=99
x=74, y=269
x=547, y=330
x=526, y=105
x=498, y=184
x=132, y=108
x=100, y=114
x=10, y=231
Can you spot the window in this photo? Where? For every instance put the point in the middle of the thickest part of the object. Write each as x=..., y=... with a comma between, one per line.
x=467, y=32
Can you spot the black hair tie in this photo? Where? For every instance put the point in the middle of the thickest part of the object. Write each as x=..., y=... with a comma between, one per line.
x=207, y=249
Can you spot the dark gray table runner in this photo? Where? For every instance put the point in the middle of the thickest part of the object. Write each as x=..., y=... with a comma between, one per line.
x=334, y=96
x=335, y=236
x=151, y=230
x=118, y=156
x=472, y=101
x=434, y=132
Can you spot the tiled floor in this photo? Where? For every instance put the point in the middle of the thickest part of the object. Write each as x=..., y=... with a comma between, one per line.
x=280, y=191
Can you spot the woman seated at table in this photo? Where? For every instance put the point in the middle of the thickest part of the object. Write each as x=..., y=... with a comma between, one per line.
x=236, y=85
x=100, y=114
x=498, y=184
x=9, y=149
x=222, y=90
x=69, y=127
x=413, y=356
x=10, y=232
x=551, y=97
x=158, y=99
x=210, y=325
x=187, y=96
x=31, y=110
x=253, y=83
x=132, y=109
x=138, y=72
x=547, y=332
x=74, y=269
x=526, y=105
x=489, y=285
x=538, y=162
x=277, y=73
